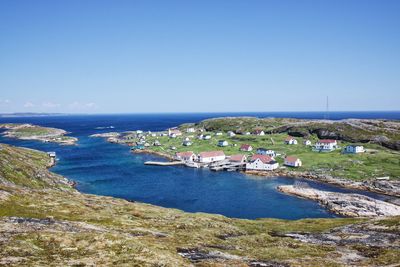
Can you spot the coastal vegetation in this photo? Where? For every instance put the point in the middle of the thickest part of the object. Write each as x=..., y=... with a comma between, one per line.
x=44, y=221
x=26, y=131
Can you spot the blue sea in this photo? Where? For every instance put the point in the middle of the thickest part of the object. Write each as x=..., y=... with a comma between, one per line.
x=112, y=170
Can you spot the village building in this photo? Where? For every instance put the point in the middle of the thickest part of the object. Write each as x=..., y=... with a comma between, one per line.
x=188, y=156
x=156, y=143
x=354, y=149
x=187, y=143
x=218, y=133
x=200, y=137
x=174, y=132
x=231, y=134
x=247, y=133
x=307, y=142
x=222, y=143
x=292, y=161
x=262, y=163
x=239, y=158
x=290, y=141
x=259, y=132
x=190, y=130
x=207, y=137
x=267, y=152
x=246, y=147
x=139, y=131
x=211, y=156
x=326, y=145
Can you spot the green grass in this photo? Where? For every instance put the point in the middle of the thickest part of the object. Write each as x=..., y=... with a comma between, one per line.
x=377, y=162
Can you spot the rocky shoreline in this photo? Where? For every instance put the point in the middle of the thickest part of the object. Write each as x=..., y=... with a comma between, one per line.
x=150, y=152
x=350, y=205
x=390, y=188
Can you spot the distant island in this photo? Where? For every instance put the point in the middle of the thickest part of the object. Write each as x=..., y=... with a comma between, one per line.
x=26, y=131
x=29, y=114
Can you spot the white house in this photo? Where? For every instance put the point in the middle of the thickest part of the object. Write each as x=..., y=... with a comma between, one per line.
x=222, y=143
x=174, y=132
x=354, y=149
x=246, y=147
x=207, y=137
x=187, y=143
x=290, y=141
x=188, y=156
x=258, y=132
x=190, y=130
x=326, y=145
x=267, y=152
x=247, y=133
x=262, y=163
x=211, y=156
x=200, y=137
x=292, y=161
x=307, y=142
x=231, y=134
x=156, y=143
x=218, y=133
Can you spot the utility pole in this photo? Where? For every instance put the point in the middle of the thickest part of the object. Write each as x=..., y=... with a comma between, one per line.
x=326, y=116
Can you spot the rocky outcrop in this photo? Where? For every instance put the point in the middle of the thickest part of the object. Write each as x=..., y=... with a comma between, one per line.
x=35, y=132
x=351, y=205
x=386, y=187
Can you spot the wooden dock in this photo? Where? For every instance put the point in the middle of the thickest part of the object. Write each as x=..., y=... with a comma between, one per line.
x=164, y=163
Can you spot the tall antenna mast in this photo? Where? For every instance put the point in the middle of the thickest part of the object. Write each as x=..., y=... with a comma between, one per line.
x=327, y=108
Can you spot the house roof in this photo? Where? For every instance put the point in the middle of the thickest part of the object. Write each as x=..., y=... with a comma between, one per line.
x=291, y=159
x=263, y=158
x=238, y=157
x=175, y=131
x=209, y=154
x=245, y=146
x=327, y=141
x=289, y=138
x=184, y=154
x=258, y=131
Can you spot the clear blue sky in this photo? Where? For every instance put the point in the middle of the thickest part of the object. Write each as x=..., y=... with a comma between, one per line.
x=198, y=56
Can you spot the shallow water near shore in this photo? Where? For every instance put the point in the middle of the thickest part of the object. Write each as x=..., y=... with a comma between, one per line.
x=110, y=169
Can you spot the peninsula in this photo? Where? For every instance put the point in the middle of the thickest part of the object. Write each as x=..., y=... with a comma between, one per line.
x=45, y=221
x=353, y=153
x=26, y=131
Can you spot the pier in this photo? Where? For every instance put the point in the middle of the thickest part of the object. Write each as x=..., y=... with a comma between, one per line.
x=164, y=163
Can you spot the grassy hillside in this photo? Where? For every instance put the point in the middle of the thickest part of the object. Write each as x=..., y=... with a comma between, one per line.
x=382, y=132
x=377, y=162
x=42, y=223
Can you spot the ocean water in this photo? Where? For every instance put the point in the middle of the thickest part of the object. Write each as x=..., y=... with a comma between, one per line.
x=111, y=169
